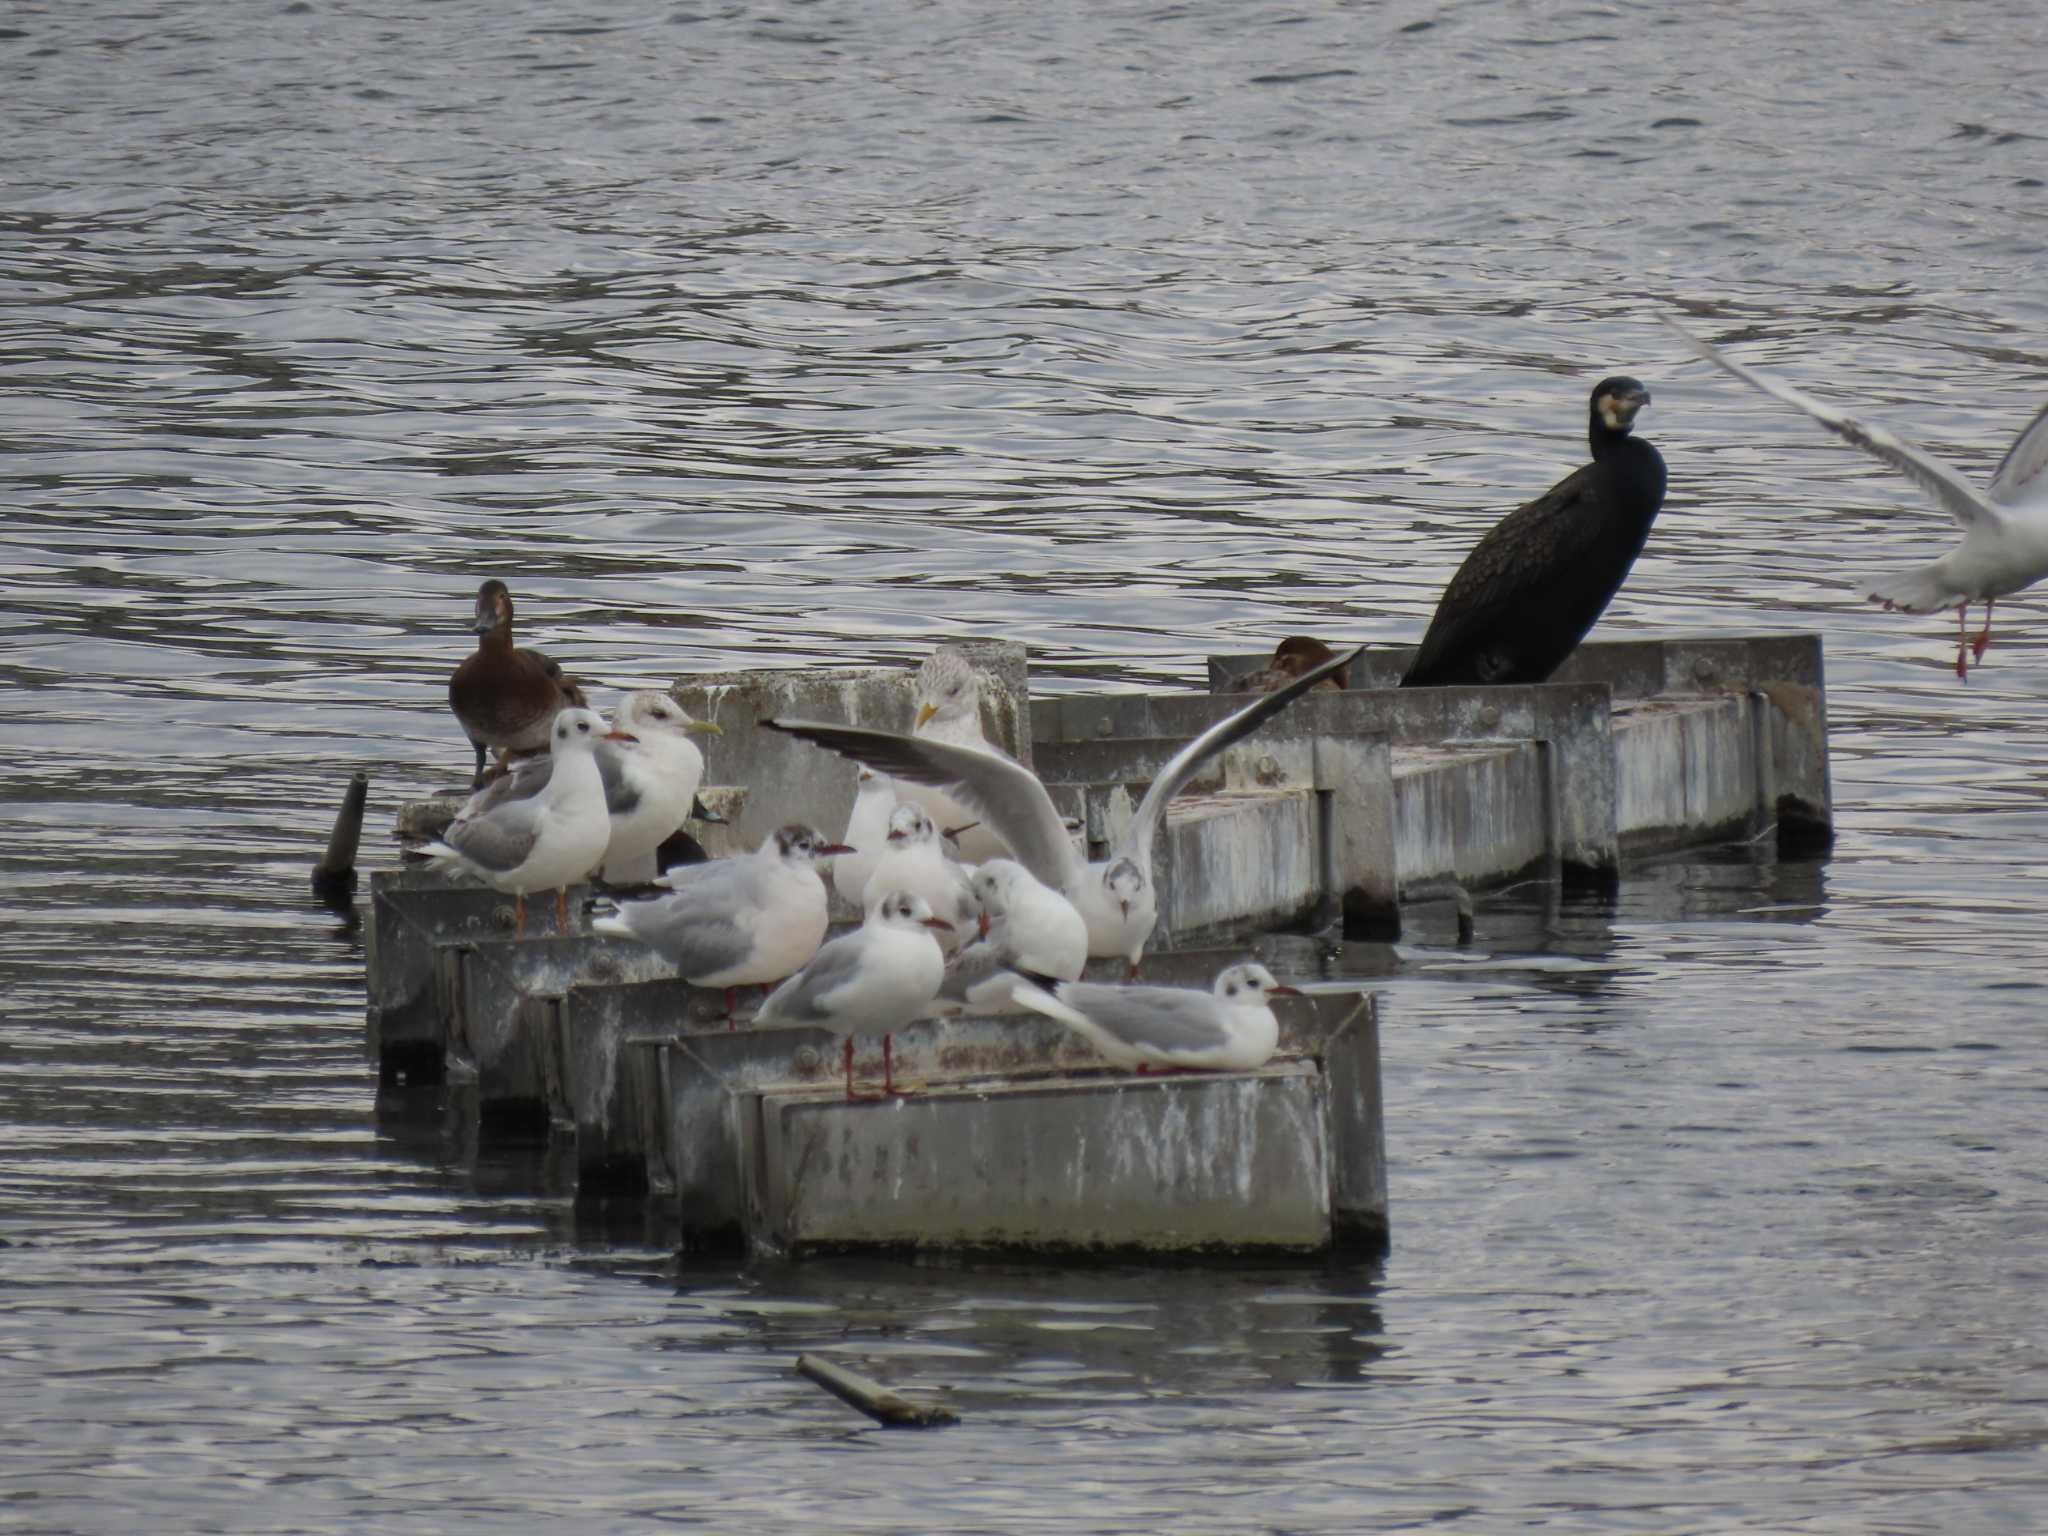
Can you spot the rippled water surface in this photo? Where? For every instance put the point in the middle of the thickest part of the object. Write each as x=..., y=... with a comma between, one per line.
x=771, y=334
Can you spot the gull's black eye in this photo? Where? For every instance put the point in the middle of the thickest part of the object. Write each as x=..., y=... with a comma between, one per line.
x=583, y=726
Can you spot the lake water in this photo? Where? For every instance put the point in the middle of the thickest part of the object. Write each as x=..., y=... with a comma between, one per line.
x=784, y=333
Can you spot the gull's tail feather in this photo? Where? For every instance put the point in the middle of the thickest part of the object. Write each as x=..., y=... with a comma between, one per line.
x=1920, y=590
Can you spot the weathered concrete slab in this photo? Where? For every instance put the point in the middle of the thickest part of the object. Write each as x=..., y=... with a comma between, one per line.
x=1223, y=1162
x=1690, y=770
x=413, y=913
x=1684, y=759
x=815, y=786
x=497, y=1027
x=606, y=1043
x=1474, y=813
x=747, y=1109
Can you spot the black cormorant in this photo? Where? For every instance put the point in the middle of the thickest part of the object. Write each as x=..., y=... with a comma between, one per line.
x=1531, y=588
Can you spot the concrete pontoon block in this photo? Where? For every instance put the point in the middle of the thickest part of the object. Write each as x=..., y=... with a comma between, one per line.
x=1224, y=861
x=795, y=781
x=1471, y=813
x=413, y=911
x=608, y=1082
x=492, y=1026
x=1688, y=770
x=1216, y=1162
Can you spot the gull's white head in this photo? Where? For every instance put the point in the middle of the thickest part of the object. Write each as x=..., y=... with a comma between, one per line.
x=909, y=827
x=650, y=712
x=1122, y=882
x=993, y=882
x=905, y=909
x=577, y=730
x=1249, y=985
x=947, y=688
x=799, y=844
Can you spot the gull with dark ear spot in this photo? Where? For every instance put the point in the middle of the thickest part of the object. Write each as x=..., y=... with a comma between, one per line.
x=650, y=769
x=1025, y=926
x=735, y=922
x=915, y=860
x=504, y=696
x=1114, y=896
x=2005, y=526
x=1230, y=1028
x=1541, y=577
x=549, y=839
x=883, y=974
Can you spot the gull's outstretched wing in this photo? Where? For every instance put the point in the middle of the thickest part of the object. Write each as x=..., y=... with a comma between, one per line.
x=1963, y=501
x=1137, y=841
x=1001, y=791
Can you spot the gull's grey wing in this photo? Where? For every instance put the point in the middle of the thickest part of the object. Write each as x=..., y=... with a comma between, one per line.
x=2018, y=477
x=527, y=777
x=500, y=839
x=1160, y=1020
x=972, y=965
x=701, y=929
x=1963, y=501
x=806, y=996
x=1001, y=791
x=1137, y=840
x=621, y=794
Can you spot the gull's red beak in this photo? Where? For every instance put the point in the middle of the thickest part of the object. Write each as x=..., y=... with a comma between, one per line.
x=831, y=848
x=620, y=736
x=938, y=922
x=895, y=837
x=1281, y=989
x=981, y=925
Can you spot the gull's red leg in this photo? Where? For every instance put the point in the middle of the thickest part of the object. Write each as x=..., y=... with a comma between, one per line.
x=519, y=915
x=848, y=1057
x=888, y=1070
x=732, y=1003
x=1963, y=642
x=562, y=910
x=1983, y=635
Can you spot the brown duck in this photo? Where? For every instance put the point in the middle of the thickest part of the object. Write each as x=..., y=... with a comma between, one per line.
x=1291, y=658
x=506, y=697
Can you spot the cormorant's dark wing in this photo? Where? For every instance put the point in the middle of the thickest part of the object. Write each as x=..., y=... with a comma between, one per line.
x=1540, y=578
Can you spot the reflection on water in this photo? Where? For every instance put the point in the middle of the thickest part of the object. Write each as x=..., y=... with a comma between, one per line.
x=780, y=335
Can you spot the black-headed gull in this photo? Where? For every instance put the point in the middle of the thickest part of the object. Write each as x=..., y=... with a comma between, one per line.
x=1540, y=578
x=1229, y=1028
x=914, y=860
x=1115, y=896
x=739, y=922
x=2005, y=526
x=882, y=975
x=547, y=840
x=650, y=769
x=867, y=834
x=1026, y=926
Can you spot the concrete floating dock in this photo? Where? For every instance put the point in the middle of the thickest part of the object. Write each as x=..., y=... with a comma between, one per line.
x=1346, y=805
